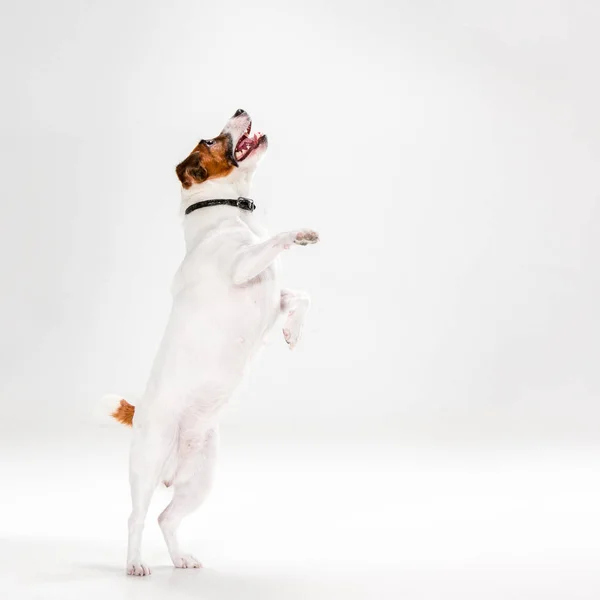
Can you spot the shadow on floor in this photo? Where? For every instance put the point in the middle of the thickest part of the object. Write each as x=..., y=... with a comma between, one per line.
x=65, y=569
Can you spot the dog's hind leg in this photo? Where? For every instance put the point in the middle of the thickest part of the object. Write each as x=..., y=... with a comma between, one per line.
x=192, y=484
x=149, y=452
x=294, y=305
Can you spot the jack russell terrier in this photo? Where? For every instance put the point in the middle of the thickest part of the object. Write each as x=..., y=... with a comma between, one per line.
x=225, y=299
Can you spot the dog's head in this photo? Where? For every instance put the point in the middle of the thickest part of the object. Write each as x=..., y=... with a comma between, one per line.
x=233, y=152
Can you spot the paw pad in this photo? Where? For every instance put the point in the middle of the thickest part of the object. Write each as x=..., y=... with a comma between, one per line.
x=307, y=236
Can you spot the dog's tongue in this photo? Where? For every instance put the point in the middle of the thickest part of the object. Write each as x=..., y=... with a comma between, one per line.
x=243, y=143
x=246, y=142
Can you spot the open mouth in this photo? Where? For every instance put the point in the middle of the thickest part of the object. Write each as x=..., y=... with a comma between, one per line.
x=247, y=143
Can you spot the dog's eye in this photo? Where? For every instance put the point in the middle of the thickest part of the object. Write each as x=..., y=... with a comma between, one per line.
x=208, y=142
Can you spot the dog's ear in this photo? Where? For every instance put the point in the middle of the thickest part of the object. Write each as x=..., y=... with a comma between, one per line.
x=190, y=171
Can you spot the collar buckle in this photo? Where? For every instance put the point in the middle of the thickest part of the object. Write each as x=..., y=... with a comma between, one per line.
x=246, y=204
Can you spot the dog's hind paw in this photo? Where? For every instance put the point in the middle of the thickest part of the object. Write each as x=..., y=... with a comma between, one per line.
x=138, y=569
x=187, y=561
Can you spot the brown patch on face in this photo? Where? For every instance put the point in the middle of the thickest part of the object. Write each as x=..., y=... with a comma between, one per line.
x=124, y=413
x=208, y=160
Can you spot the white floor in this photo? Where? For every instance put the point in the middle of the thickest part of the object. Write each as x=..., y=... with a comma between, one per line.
x=305, y=519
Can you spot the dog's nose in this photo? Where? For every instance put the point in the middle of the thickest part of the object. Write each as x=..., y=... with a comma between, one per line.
x=239, y=112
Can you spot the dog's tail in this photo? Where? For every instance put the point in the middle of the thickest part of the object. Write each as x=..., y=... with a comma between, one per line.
x=119, y=409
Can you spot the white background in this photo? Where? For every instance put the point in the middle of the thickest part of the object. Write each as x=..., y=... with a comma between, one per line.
x=435, y=433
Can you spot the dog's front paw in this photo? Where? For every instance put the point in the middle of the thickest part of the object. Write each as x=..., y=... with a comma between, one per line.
x=292, y=331
x=187, y=561
x=138, y=569
x=305, y=237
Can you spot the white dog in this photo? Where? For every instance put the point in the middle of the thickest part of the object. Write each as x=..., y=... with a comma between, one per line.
x=225, y=299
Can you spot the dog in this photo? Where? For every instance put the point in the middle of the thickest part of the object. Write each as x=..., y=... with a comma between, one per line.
x=226, y=298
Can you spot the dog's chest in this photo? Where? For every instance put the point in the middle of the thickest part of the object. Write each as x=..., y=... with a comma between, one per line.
x=206, y=297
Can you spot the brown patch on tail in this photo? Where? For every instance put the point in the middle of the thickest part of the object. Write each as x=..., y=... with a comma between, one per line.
x=124, y=413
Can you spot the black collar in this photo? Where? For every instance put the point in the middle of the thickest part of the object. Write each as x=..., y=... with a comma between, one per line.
x=241, y=202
